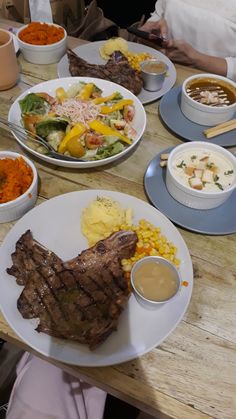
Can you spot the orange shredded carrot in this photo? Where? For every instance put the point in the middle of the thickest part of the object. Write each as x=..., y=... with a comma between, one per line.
x=185, y=283
x=37, y=33
x=15, y=178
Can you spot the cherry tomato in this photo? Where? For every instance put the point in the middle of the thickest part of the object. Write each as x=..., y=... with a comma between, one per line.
x=93, y=141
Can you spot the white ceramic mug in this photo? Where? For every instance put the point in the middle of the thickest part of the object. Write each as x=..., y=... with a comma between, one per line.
x=9, y=72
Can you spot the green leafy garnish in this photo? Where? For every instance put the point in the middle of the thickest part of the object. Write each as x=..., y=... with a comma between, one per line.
x=209, y=165
x=219, y=186
x=181, y=165
x=229, y=172
x=215, y=178
x=193, y=157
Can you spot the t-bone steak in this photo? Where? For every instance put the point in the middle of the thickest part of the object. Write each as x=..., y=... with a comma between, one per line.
x=80, y=299
x=117, y=70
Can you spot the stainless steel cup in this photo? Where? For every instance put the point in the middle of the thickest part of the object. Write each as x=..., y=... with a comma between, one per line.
x=153, y=73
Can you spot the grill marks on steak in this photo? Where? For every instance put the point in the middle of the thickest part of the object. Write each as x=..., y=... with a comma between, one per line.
x=80, y=299
x=117, y=70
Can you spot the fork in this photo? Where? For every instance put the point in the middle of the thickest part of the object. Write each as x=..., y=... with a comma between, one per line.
x=23, y=134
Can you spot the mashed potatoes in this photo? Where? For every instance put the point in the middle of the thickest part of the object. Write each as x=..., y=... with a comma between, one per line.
x=111, y=45
x=102, y=217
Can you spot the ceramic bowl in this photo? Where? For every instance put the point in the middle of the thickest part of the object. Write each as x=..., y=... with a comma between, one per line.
x=204, y=114
x=15, y=209
x=194, y=198
x=43, y=54
x=146, y=302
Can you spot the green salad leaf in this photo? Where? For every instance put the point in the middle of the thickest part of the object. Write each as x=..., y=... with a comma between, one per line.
x=109, y=150
x=33, y=104
x=46, y=127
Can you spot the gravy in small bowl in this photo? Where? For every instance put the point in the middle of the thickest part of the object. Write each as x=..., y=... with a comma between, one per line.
x=155, y=280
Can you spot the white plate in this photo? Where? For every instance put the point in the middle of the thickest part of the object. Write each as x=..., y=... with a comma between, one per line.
x=90, y=53
x=56, y=224
x=139, y=121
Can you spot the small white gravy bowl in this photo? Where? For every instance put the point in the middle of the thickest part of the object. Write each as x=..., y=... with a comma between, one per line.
x=208, y=99
x=201, y=175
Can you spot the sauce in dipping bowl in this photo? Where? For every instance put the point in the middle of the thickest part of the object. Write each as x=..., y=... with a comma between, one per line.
x=155, y=281
x=153, y=73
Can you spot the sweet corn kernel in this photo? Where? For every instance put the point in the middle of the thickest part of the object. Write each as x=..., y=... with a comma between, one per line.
x=150, y=243
x=135, y=59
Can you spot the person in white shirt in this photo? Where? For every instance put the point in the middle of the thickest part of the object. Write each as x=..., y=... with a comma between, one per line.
x=199, y=33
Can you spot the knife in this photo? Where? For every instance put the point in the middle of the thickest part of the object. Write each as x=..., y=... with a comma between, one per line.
x=158, y=39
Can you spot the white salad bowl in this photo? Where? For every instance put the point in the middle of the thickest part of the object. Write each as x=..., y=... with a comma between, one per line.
x=12, y=210
x=204, y=114
x=107, y=87
x=186, y=195
x=43, y=54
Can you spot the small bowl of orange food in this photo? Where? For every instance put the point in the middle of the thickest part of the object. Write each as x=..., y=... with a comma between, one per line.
x=18, y=185
x=154, y=280
x=42, y=43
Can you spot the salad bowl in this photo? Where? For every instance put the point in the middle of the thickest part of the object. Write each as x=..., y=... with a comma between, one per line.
x=21, y=107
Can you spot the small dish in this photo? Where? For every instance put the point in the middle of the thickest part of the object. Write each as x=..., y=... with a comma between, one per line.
x=153, y=73
x=43, y=54
x=216, y=221
x=212, y=179
x=12, y=210
x=155, y=281
x=208, y=99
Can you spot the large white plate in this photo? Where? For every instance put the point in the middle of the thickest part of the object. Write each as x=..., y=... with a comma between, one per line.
x=139, y=121
x=90, y=53
x=56, y=224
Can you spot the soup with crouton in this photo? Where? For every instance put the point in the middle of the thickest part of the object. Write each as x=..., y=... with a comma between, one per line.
x=203, y=170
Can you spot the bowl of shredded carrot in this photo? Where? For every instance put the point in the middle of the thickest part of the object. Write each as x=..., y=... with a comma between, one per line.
x=42, y=43
x=18, y=185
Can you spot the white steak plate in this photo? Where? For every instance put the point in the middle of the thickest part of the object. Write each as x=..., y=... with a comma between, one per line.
x=56, y=224
x=107, y=87
x=90, y=53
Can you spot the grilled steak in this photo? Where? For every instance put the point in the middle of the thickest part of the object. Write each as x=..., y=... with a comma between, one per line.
x=117, y=69
x=80, y=299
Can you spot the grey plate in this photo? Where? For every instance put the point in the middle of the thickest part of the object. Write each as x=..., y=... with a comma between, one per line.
x=90, y=53
x=175, y=120
x=217, y=221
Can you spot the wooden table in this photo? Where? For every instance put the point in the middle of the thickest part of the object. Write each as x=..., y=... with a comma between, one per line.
x=193, y=373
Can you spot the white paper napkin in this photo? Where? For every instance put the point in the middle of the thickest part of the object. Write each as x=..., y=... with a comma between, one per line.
x=40, y=11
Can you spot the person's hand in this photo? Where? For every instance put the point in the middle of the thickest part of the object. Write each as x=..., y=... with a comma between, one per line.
x=160, y=26
x=181, y=52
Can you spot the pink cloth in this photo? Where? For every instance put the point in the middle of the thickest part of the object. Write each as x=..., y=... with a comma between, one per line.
x=43, y=391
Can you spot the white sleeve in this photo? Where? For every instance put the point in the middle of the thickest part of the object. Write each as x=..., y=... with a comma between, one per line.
x=231, y=67
x=158, y=12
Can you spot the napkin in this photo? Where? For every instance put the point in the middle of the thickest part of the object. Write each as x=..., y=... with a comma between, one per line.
x=40, y=11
